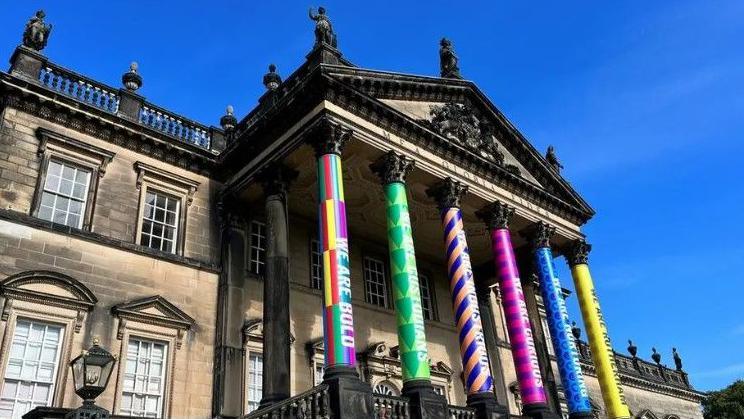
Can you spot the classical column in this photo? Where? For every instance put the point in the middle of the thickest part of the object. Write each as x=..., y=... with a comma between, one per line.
x=476, y=369
x=414, y=357
x=567, y=357
x=488, y=322
x=531, y=387
x=276, y=342
x=599, y=340
x=350, y=397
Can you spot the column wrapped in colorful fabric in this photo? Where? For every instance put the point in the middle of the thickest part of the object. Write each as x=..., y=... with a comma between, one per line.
x=350, y=398
x=423, y=401
x=338, y=320
x=567, y=357
x=531, y=386
x=476, y=370
x=599, y=341
x=392, y=169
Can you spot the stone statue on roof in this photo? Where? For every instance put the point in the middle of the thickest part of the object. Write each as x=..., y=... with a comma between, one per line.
x=323, y=29
x=36, y=34
x=553, y=159
x=448, y=60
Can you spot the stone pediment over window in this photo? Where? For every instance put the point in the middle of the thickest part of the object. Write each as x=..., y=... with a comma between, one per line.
x=154, y=310
x=253, y=331
x=47, y=288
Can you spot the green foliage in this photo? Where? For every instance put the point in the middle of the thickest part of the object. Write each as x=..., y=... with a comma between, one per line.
x=725, y=404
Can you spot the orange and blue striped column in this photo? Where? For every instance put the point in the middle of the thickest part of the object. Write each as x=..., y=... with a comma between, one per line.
x=338, y=319
x=473, y=351
x=518, y=324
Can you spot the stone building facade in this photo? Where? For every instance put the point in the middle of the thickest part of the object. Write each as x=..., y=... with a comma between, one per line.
x=161, y=237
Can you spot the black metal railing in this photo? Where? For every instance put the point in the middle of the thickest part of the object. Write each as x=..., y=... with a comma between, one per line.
x=312, y=404
x=390, y=407
x=459, y=412
x=79, y=87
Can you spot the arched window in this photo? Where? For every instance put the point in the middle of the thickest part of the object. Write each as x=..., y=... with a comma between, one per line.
x=386, y=388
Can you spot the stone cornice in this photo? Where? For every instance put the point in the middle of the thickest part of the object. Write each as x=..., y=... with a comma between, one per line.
x=37, y=100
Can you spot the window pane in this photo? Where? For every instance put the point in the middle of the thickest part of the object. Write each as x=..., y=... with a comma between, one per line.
x=255, y=380
x=374, y=282
x=65, y=194
x=257, y=248
x=159, y=226
x=143, y=384
x=34, y=358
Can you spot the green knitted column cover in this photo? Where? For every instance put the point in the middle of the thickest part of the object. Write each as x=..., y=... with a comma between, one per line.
x=411, y=335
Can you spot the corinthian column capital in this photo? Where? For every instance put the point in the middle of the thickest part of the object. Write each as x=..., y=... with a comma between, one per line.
x=497, y=215
x=276, y=178
x=328, y=137
x=578, y=253
x=392, y=167
x=447, y=193
x=539, y=234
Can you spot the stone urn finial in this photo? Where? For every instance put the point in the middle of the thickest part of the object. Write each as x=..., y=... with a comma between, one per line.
x=228, y=122
x=575, y=331
x=655, y=356
x=131, y=79
x=632, y=349
x=272, y=80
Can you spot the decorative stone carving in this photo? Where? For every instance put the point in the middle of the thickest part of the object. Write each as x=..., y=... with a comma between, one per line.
x=553, y=159
x=458, y=123
x=392, y=167
x=579, y=252
x=540, y=235
x=448, y=193
x=36, y=34
x=323, y=28
x=328, y=137
x=575, y=331
x=276, y=179
x=448, y=61
x=497, y=215
x=272, y=80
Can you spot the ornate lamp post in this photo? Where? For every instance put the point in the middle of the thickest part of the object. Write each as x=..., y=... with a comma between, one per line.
x=91, y=372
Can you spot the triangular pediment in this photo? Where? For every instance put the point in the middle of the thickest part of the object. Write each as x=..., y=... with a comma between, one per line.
x=154, y=310
x=455, y=112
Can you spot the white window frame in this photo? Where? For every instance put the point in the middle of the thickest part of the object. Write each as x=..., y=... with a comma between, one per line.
x=257, y=248
x=77, y=154
x=130, y=327
x=163, y=376
x=170, y=184
x=425, y=286
x=56, y=368
x=316, y=265
x=164, y=224
x=375, y=276
x=56, y=193
x=253, y=379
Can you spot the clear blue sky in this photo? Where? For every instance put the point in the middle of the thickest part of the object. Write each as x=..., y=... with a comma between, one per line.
x=643, y=101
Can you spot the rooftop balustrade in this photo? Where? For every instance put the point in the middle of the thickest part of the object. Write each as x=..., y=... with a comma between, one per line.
x=33, y=66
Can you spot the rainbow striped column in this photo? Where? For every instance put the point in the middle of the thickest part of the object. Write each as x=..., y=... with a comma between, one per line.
x=596, y=330
x=338, y=321
x=577, y=396
x=517, y=320
x=465, y=305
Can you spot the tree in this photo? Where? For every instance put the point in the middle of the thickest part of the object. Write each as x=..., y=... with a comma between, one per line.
x=725, y=404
